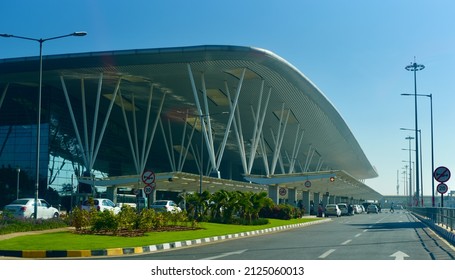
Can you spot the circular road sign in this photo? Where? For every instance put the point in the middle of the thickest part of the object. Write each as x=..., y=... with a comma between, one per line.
x=442, y=188
x=148, y=189
x=307, y=183
x=148, y=177
x=441, y=174
x=282, y=191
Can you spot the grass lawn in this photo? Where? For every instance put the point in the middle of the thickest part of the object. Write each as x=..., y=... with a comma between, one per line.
x=72, y=241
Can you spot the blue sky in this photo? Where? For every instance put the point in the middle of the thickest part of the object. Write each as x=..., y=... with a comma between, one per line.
x=355, y=51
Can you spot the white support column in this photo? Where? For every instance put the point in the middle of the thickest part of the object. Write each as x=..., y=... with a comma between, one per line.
x=135, y=132
x=183, y=152
x=106, y=120
x=231, y=118
x=3, y=95
x=166, y=145
x=95, y=122
x=158, y=114
x=305, y=167
x=280, y=137
x=84, y=120
x=238, y=130
x=258, y=137
x=171, y=142
x=264, y=156
x=296, y=149
x=320, y=163
x=130, y=140
x=73, y=119
x=208, y=130
x=146, y=127
x=201, y=116
x=182, y=163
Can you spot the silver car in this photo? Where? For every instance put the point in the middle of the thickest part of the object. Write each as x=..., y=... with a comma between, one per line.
x=372, y=209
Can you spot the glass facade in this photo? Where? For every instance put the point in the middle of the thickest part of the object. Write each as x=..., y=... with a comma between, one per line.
x=18, y=147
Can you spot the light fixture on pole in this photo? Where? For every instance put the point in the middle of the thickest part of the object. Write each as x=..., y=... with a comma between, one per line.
x=414, y=67
x=432, y=146
x=38, y=132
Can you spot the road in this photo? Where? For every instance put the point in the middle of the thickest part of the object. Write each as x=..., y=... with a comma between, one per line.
x=383, y=236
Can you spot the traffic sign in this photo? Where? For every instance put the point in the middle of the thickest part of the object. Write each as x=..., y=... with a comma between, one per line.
x=307, y=183
x=148, y=177
x=148, y=189
x=442, y=188
x=441, y=174
x=282, y=191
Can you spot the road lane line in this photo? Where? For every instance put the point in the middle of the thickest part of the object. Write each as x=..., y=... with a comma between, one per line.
x=358, y=234
x=346, y=242
x=225, y=255
x=323, y=256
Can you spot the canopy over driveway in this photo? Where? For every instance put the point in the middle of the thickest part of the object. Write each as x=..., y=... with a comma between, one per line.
x=257, y=118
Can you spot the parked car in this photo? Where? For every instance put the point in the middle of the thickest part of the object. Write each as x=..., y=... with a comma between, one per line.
x=100, y=204
x=25, y=208
x=357, y=209
x=372, y=209
x=332, y=210
x=165, y=206
x=344, y=209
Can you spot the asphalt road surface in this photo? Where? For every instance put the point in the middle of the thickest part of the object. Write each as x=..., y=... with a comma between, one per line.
x=383, y=236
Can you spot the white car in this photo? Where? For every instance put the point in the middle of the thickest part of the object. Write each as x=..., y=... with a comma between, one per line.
x=165, y=206
x=25, y=208
x=100, y=204
x=343, y=208
x=332, y=210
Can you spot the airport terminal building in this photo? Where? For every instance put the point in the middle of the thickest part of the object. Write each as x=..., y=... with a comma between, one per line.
x=197, y=118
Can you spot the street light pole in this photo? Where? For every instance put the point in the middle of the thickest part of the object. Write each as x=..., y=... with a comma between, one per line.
x=432, y=146
x=432, y=150
x=17, y=186
x=38, y=126
x=421, y=165
x=410, y=170
x=414, y=67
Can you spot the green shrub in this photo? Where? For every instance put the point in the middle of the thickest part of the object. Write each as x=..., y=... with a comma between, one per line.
x=80, y=219
x=128, y=219
x=105, y=221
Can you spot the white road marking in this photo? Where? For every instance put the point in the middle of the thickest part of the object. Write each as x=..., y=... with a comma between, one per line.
x=346, y=242
x=323, y=256
x=358, y=234
x=225, y=255
x=398, y=255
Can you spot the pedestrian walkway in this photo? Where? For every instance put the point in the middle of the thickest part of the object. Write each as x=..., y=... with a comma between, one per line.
x=16, y=234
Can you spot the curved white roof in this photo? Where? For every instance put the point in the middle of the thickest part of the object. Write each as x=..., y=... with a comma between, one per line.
x=327, y=142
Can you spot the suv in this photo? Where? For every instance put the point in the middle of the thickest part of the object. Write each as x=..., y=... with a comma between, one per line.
x=101, y=204
x=165, y=206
